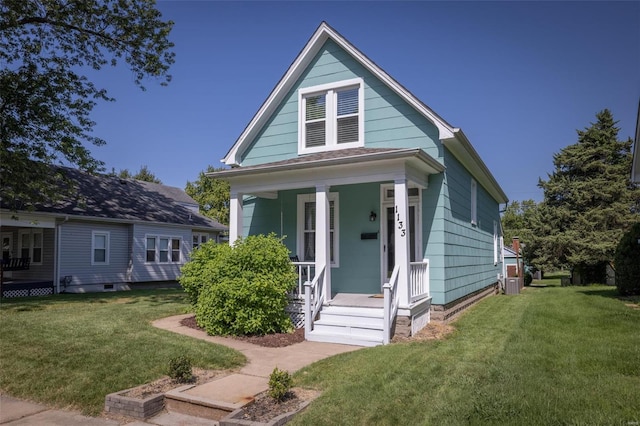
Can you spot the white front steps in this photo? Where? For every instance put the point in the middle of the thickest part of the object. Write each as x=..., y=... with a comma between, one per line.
x=349, y=325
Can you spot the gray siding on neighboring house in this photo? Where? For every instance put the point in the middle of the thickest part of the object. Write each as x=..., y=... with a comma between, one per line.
x=143, y=271
x=76, y=253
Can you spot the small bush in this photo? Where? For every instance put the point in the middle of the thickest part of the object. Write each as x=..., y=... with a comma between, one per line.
x=244, y=289
x=528, y=278
x=279, y=384
x=180, y=369
x=203, y=268
x=627, y=262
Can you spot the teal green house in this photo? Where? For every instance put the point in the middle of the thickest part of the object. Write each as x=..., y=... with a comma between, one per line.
x=389, y=213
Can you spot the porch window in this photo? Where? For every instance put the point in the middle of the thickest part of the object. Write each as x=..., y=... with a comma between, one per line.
x=199, y=239
x=30, y=245
x=163, y=249
x=307, y=228
x=100, y=247
x=331, y=116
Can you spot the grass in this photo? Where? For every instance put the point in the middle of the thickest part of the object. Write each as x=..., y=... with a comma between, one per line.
x=551, y=355
x=71, y=351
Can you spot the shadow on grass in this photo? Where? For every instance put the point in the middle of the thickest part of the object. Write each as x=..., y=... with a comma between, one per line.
x=611, y=293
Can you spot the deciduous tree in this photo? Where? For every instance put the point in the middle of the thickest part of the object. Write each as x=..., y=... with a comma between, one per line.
x=46, y=100
x=212, y=195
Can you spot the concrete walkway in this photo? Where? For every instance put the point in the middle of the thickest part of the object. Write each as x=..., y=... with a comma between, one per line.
x=260, y=363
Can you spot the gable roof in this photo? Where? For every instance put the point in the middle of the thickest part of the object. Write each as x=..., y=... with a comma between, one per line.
x=452, y=137
x=126, y=200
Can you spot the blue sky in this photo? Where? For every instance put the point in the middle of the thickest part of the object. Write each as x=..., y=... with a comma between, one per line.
x=518, y=77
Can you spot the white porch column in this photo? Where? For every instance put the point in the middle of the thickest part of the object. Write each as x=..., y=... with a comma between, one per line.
x=235, y=217
x=323, y=254
x=402, y=240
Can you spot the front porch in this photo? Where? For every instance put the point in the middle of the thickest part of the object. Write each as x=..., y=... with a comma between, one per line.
x=355, y=221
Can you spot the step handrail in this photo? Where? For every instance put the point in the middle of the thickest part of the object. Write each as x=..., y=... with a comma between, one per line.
x=313, y=299
x=391, y=303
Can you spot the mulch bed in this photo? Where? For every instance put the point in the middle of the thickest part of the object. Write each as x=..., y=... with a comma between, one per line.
x=275, y=340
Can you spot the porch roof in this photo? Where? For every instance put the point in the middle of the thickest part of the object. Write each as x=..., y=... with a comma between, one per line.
x=336, y=158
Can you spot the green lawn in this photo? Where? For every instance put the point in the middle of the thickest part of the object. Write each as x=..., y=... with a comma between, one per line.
x=552, y=355
x=72, y=350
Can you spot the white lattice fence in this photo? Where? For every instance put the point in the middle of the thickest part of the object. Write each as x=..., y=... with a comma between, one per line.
x=295, y=309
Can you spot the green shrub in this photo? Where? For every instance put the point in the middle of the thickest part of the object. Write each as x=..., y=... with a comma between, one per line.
x=279, y=384
x=180, y=369
x=203, y=268
x=528, y=278
x=246, y=287
x=627, y=262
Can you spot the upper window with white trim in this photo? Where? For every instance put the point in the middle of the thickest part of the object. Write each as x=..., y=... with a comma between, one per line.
x=100, y=247
x=30, y=245
x=199, y=239
x=331, y=116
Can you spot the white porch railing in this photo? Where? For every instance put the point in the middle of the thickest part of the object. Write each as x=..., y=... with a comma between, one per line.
x=419, y=281
x=305, y=271
x=391, y=302
x=313, y=300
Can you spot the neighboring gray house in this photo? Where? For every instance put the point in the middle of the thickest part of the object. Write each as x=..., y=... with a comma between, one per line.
x=112, y=234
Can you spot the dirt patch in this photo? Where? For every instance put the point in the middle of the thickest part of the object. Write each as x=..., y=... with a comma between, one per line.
x=433, y=331
x=165, y=384
x=265, y=408
x=275, y=340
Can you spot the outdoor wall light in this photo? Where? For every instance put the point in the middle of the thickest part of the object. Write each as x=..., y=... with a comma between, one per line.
x=373, y=216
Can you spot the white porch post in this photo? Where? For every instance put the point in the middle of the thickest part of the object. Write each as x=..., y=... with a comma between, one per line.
x=402, y=240
x=235, y=217
x=323, y=255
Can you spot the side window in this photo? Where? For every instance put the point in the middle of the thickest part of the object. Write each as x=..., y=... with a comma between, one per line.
x=100, y=248
x=474, y=202
x=307, y=228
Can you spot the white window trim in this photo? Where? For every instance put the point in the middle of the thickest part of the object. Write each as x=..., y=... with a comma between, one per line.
x=474, y=202
x=331, y=130
x=107, y=234
x=31, y=233
x=157, y=249
x=306, y=198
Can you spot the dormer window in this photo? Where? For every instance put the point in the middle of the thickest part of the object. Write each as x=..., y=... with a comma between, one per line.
x=331, y=116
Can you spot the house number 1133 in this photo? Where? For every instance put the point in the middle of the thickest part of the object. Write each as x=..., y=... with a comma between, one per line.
x=403, y=230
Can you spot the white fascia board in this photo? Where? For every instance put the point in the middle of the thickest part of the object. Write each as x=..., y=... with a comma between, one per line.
x=299, y=65
x=27, y=220
x=462, y=149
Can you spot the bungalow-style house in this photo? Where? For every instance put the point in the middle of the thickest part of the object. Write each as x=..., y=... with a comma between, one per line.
x=112, y=234
x=387, y=204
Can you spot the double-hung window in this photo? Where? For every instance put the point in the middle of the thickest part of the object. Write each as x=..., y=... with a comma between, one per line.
x=162, y=249
x=100, y=247
x=30, y=245
x=307, y=228
x=331, y=116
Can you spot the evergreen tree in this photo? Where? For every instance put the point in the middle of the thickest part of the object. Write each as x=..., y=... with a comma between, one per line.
x=589, y=201
x=212, y=195
x=517, y=220
x=145, y=175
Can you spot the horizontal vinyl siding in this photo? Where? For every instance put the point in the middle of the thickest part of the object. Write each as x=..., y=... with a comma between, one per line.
x=143, y=271
x=389, y=121
x=76, y=253
x=468, y=249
